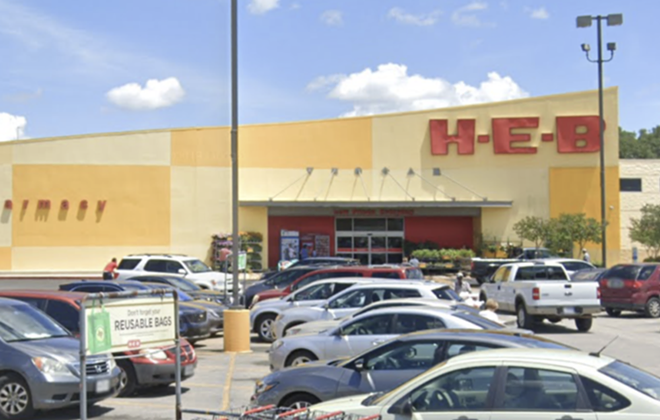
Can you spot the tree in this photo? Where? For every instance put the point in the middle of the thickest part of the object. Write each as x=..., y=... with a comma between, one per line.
x=646, y=229
x=577, y=228
x=642, y=145
x=533, y=229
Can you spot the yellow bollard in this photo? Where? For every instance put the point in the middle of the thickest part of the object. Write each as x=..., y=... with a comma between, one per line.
x=237, y=330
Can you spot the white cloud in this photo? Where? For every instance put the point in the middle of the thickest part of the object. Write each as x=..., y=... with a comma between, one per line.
x=391, y=89
x=12, y=127
x=295, y=6
x=466, y=16
x=423, y=19
x=259, y=7
x=156, y=94
x=539, y=13
x=332, y=17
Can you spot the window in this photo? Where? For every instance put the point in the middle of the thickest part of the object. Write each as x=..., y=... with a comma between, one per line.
x=345, y=242
x=446, y=293
x=395, y=242
x=456, y=348
x=65, y=314
x=324, y=276
x=157, y=266
x=195, y=266
x=344, y=225
x=646, y=272
x=576, y=266
x=479, y=321
x=462, y=390
x=128, y=263
x=354, y=299
x=603, y=399
x=387, y=275
x=633, y=378
x=400, y=294
x=375, y=325
x=630, y=184
x=405, y=355
x=321, y=291
x=540, y=272
x=94, y=289
x=529, y=389
x=502, y=274
x=369, y=225
x=395, y=225
x=623, y=272
x=408, y=323
x=34, y=302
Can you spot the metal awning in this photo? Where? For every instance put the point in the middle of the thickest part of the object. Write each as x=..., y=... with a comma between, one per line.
x=378, y=204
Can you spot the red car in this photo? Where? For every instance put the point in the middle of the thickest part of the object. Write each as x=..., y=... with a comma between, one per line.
x=631, y=287
x=148, y=368
x=410, y=273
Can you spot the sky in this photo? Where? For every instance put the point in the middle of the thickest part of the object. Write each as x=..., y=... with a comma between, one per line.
x=79, y=67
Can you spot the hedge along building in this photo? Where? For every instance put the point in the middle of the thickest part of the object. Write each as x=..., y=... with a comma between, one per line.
x=447, y=176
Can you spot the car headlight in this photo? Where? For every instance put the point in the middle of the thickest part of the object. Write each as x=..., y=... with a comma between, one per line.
x=154, y=354
x=277, y=344
x=50, y=366
x=255, y=299
x=213, y=314
x=293, y=331
x=113, y=363
x=262, y=387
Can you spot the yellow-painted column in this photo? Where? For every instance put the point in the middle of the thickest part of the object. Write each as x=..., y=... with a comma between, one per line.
x=237, y=330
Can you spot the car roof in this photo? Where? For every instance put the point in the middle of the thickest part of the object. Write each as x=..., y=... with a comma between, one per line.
x=492, y=336
x=395, y=284
x=543, y=262
x=416, y=301
x=155, y=275
x=409, y=310
x=361, y=268
x=559, y=260
x=168, y=256
x=11, y=302
x=49, y=294
x=567, y=358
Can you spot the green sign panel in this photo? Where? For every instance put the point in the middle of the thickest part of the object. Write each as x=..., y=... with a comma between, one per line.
x=242, y=261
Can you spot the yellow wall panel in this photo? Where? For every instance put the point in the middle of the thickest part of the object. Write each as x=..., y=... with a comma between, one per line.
x=201, y=147
x=137, y=210
x=74, y=258
x=132, y=148
x=255, y=219
x=5, y=214
x=341, y=143
x=5, y=258
x=577, y=190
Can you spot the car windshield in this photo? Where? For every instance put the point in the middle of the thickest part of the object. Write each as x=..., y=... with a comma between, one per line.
x=479, y=321
x=634, y=378
x=197, y=266
x=378, y=398
x=182, y=284
x=624, y=272
x=447, y=293
x=25, y=323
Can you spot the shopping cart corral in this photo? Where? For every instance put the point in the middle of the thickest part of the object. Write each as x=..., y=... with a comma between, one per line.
x=271, y=412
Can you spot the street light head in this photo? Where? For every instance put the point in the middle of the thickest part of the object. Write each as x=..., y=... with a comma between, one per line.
x=584, y=21
x=611, y=46
x=586, y=47
x=615, y=20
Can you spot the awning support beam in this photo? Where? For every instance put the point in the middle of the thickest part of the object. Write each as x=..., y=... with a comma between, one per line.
x=412, y=172
x=333, y=173
x=386, y=172
x=358, y=173
x=439, y=173
x=307, y=175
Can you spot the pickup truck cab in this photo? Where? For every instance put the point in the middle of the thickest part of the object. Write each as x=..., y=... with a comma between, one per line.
x=542, y=290
x=482, y=268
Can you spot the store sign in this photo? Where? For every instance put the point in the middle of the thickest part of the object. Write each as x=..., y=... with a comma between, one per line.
x=129, y=324
x=375, y=212
x=576, y=134
x=46, y=204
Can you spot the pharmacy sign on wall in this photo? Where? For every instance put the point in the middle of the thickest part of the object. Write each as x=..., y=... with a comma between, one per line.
x=129, y=324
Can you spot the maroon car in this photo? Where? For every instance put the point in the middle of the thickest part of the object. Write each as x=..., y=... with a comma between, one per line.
x=631, y=287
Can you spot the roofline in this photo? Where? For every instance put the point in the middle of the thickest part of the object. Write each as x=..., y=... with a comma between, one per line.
x=378, y=204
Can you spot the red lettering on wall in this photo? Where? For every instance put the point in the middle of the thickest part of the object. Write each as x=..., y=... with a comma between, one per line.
x=84, y=205
x=101, y=205
x=65, y=205
x=341, y=212
x=9, y=204
x=43, y=204
x=440, y=138
x=503, y=138
x=570, y=141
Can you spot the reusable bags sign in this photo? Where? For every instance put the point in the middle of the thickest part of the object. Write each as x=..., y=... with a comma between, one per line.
x=129, y=324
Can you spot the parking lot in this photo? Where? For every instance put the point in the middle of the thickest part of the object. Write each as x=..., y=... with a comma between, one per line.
x=225, y=381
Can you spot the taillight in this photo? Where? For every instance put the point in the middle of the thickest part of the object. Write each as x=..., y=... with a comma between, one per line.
x=598, y=293
x=536, y=293
x=637, y=285
x=634, y=284
x=472, y=266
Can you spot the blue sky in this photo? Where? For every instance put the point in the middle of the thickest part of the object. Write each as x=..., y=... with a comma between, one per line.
x=77, y=67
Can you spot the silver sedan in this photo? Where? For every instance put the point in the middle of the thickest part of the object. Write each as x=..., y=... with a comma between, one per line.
x=361, y=333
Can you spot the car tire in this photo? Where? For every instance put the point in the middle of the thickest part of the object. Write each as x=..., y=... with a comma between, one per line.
x=584, y=324
x=263, y=326
x=12, y=385
x=652, y=308
x=127, y=379
x=300, y=400
x=523, y=319
x=299, y=357
x=613, y=312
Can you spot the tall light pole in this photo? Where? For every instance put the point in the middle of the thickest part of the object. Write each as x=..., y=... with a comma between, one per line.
x=585, y=22
x=235, y=239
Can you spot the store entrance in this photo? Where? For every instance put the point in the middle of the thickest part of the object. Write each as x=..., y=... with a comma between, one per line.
x=372, y=241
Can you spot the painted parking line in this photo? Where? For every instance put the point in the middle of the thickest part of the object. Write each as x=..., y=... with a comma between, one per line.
x=133, y=403
x=197, y=385
x=228, y=379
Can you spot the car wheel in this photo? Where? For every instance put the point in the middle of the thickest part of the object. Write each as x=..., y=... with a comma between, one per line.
x=584, y=324
x=297, y=401
x=652, y=309
x=127, y=378
x=613, y=312
x=523, y=319
x=264, y=327
x=15, y=398
x=300, y=357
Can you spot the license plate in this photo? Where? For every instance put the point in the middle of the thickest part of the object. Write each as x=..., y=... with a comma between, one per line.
x=103, y=386
x=569, y=311
x=188, y=370
x=615, y=284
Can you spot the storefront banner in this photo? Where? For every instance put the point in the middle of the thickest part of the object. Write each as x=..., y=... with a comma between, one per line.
x=289, y=245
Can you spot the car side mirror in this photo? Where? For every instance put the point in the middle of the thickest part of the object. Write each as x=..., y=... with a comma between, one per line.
x=326, y=306
x=181, y=271
x=359, y=365
x=404, y=408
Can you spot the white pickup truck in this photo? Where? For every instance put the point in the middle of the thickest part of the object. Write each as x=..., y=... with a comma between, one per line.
x=535, y=291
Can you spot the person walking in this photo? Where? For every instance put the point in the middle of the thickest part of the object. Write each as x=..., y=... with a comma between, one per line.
x=461, y=285
x=109, y=270
x=585, y=255
x=414, y=261
x=490, y=309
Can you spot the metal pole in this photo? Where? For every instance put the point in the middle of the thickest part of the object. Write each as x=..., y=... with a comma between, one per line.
x=234, y=148
x=603, y=215
x=177, y=354
x=83, y=360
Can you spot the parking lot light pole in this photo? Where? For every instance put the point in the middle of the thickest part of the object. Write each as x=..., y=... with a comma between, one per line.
x=235, y=240
x=585, y=22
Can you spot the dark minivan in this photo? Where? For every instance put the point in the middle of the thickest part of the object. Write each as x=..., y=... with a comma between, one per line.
x=631, y=287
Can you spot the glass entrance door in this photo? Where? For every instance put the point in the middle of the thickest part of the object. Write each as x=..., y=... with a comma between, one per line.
x=372, y=241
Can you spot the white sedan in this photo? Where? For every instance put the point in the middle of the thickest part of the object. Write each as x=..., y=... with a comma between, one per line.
x=516, y=384
x=358, y=334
